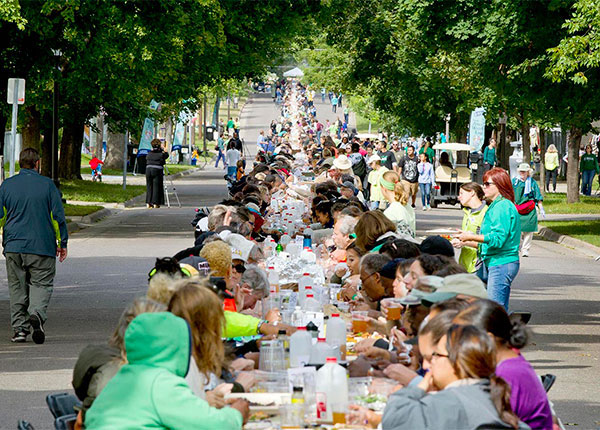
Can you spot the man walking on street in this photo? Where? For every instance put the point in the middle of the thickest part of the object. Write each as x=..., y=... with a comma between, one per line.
x=35, y=233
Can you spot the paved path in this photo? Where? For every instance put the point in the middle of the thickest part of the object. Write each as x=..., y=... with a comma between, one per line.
x=108, y=265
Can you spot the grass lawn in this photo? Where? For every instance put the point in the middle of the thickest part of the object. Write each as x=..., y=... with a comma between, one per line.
x=588, y=231
x=88, y=191
x=173, y=168
x=80, y=210
x=362, y=125
x=557, y=204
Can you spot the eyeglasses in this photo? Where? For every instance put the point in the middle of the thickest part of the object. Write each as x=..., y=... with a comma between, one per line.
x=487, y=184
x=435, y=355
x=365, y=280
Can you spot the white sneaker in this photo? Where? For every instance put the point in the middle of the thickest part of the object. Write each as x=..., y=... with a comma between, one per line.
x=424, y=208
x=525, y=254
x=428, y=207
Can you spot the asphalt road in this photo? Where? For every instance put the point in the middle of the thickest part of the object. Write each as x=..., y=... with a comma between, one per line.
x=109, y=261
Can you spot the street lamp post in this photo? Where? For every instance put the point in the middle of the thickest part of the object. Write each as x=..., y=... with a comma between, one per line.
x=55, y=97
x=448, y=128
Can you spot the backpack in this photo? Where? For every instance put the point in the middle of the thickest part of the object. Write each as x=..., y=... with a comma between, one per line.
x=360, y=168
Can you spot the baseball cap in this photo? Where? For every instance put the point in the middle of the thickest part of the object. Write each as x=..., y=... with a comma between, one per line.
x=462, y=283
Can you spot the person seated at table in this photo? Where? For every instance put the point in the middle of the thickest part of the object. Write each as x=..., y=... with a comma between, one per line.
x=195, y=302
x=528, y=398
x=351, y=283
x=373, y=230
x=470, y=395
x=374, y=288
x=400, y=248
x=150, y=389
x=255, y=283
x=97, y=364
x=343, y=229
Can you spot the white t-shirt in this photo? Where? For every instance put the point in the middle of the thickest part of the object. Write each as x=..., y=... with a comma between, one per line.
x=232, y=156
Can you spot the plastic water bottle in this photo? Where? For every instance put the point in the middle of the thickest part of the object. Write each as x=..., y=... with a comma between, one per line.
x=300, y=347
x=296, y=318
x=311, y=304
x=308, y=256
x=320, y=351
x=273, y=279
x=332, y=388
x=302, y=296
x=336, y=334
x=268, y=247
x=304, y=281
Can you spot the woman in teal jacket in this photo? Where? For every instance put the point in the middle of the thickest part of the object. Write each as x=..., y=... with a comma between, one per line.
x=500, y=237
x=149, y=392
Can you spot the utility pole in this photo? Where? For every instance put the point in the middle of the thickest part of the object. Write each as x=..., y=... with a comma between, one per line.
x=125, y=160
x=204, y=125
x=448, y=128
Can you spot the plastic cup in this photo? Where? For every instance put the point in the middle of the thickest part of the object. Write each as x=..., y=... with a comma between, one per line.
x=359, y=321
x=394, y=310
x=338, y=412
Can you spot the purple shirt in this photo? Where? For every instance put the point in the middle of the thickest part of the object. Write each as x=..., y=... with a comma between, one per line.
x=528, y=398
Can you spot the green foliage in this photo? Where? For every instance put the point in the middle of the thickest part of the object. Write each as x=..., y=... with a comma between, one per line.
x=81, y=210
x=10, y=11
x=580, y=50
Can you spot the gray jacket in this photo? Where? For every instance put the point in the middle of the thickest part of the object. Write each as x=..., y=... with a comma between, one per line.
x=466, y=407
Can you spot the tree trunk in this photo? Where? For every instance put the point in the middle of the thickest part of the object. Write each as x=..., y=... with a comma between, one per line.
x=69, y=165
x=574, y=142
x=114, y=151
x=99, y=137
x=46, y=151
x=31, y=130
x=3, y=121
x=169, y=134
x=526, y=142
x=542, y=155
x=503, y=147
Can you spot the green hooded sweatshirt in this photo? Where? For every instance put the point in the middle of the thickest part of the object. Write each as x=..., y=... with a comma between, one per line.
x=149, y=392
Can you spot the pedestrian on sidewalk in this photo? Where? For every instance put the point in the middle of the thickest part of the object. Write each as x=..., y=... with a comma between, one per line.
x=232, y=156
x=221, y=149
x=527, y=197
x=346, y=115
x=230, y=126
x=334, y=103
x=35, y=233
x=551, y=164
x=426, y=179
x=589, y=168
x=155, y=164
x=323, y=95
x=489, y=155
x=499, y=239
x=409, y=173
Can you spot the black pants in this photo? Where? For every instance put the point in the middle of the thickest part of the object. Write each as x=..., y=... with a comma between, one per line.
x=551, y=174
x=154, y=186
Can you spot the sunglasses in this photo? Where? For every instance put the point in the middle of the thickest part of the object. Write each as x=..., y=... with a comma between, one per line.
x=240, y=268
x=487, y=184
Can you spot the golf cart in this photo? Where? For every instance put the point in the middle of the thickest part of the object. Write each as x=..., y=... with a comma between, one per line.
x=449, y=178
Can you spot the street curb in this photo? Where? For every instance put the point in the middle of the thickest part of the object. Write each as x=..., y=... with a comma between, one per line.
x=584, y=247
x=92, y=218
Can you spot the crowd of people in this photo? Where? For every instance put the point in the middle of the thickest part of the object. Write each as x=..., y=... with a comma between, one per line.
x=455, y=352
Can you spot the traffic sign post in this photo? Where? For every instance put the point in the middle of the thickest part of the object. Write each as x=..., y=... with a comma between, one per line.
x=16, y=97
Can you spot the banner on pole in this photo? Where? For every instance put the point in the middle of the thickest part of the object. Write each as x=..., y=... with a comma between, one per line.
x=147, y=132
x=178, y=141
x=477, y=128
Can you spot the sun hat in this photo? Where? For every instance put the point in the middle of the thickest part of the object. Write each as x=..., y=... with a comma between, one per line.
x=373, y=158
x=342, y=163
x=466, y=284
x=524, y=167
x=240, y=247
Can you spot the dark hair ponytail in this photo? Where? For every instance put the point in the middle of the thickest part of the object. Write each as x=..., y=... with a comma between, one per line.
x=492, y=317
x=500, y=395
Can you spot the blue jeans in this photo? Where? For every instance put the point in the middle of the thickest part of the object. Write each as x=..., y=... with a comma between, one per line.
x=425, y=193
x=587, y=177
x=499, y=279
x=231, y=172
x=220, y=156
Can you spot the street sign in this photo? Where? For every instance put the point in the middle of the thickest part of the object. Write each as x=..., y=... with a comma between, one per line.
x=10, y=94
